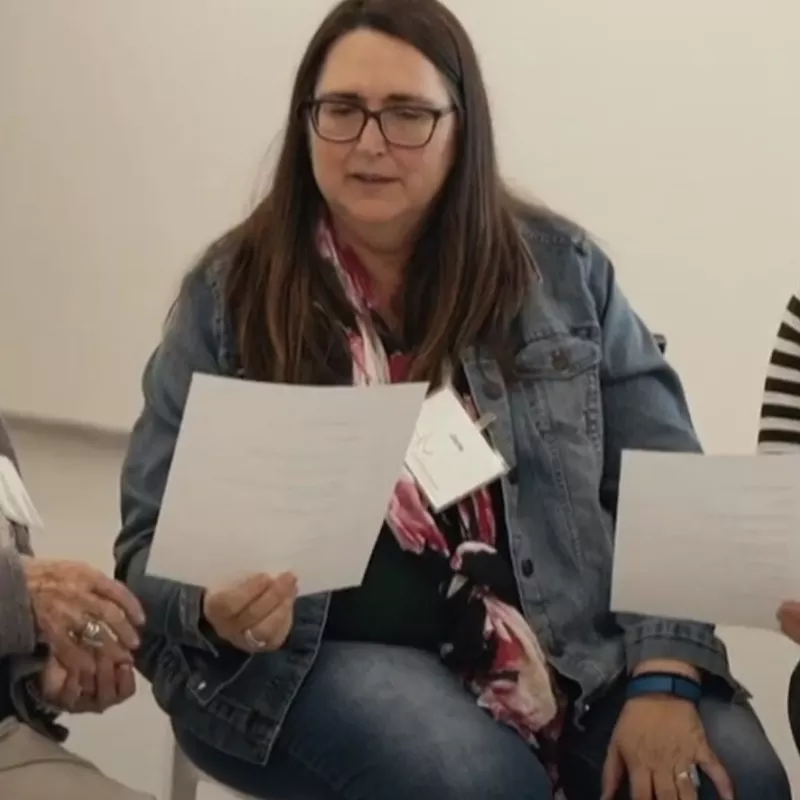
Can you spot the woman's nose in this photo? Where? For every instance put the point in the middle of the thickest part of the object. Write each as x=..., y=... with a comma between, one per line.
x=372, y=138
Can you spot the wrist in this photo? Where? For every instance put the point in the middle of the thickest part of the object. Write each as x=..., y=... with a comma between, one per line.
x=667, y=666
x=40, y=705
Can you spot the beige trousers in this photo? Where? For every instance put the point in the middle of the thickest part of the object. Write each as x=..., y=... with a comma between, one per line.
x=33, y=767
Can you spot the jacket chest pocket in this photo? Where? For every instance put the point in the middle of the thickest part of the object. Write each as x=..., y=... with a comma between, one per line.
x=560, y=376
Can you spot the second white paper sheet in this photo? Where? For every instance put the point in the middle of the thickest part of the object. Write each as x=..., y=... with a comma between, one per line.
x=707, y=538
x=272, y=478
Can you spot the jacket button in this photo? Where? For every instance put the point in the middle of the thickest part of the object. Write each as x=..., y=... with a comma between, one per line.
x=560, y=360
x=527, y=568
x=494, y=391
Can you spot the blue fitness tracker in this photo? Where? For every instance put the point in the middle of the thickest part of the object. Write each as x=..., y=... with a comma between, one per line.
x=664, y=683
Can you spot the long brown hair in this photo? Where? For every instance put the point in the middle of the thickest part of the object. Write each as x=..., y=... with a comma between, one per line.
x=471, y=268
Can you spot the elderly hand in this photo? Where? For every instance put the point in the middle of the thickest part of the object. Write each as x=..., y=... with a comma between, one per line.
x=789, y=618
x=254, y=615
x=658, y=741
x=112, y=684
x=65, y=596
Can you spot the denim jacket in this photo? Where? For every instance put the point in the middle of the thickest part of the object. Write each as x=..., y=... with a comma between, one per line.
x=593, y=383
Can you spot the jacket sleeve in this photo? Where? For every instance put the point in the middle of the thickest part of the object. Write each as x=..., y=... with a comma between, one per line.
x=644, y=409
x=190, y=344
x=17, y=630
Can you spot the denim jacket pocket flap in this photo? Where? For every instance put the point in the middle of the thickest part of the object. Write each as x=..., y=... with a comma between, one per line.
x=558, y=357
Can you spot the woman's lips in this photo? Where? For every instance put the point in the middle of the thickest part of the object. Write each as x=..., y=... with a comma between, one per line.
x=366, y=177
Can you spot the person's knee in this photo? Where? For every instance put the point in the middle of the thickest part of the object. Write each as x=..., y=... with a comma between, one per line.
x=753, y=775
x=739, y=742
x=451, y=774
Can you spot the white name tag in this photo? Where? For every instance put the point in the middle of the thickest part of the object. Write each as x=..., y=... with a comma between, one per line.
x=449, y=456
x=15, y=502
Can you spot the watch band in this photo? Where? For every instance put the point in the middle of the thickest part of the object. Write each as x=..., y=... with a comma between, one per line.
x=665, y=683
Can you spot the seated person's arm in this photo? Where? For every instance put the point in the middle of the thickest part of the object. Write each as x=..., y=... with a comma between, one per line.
x=645, y=409
x=780, y=411
x=189, y=344
x=17, y=630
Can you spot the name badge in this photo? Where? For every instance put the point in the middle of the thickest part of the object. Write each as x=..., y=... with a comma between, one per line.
x=449, y=456
x=15, y=502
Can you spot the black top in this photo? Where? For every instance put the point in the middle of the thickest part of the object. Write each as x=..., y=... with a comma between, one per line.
x=400, y=601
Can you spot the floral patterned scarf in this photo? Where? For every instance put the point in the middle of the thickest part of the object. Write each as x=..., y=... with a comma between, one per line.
x=492, y=646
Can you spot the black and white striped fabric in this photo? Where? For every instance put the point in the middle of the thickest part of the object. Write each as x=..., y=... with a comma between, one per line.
x=780, y=413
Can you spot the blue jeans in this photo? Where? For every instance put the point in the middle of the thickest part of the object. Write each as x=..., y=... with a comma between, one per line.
x=374, y=721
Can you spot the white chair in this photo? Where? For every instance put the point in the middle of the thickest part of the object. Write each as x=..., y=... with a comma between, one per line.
x=184, y=779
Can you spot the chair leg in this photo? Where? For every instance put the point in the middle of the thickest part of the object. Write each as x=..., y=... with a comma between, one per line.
x=182, y=782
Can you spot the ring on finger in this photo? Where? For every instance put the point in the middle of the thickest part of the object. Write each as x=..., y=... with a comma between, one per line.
x=252, y=642
x=91, y=634
x=689, y=777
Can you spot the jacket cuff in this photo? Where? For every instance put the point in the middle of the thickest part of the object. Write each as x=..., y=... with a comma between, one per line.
x=17, y=627
x=690, y=642
x=24, y=671
x=185, y=621
x=172, y=610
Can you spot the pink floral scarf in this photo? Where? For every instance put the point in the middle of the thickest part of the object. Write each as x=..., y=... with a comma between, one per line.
x=514, y=685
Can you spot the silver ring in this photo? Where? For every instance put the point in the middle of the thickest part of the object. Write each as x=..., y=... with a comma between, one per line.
x=253, y=643
x=691, y=775
x=92, y=634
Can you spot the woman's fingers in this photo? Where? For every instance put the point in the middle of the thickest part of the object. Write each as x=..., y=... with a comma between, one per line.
x=710, y=764
x=121, y=597
x=71, y=693
x=66, y=596
x=54, y=676
x=613, y=772
x=255, y=614
x=105, y=694
x=114, y=618
x=112, y=685
x=69, y=652
x=126, y=682
x=641, y=783
x=222, y=605
x=271, y=632
x=665, y=786
x=685, y=781
x=789, y=618
x=282, y=588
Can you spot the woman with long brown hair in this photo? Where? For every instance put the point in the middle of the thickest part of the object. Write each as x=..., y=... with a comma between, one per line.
x=479, y=658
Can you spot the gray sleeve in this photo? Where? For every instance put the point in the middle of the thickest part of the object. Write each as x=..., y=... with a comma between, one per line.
x=17, y=630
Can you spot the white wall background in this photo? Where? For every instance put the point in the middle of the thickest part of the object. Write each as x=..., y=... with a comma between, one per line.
x=131, y=133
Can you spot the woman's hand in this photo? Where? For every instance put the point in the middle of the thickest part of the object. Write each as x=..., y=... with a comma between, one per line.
x=658, y=742
x=789, y=618
x=255, y=615
x=112, y=684
x=65, y=596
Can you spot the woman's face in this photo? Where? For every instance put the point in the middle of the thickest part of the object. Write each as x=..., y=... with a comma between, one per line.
x=372, y=180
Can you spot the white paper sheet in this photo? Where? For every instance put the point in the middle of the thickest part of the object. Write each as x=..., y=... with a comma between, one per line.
x=708, y=538
x=272, y=478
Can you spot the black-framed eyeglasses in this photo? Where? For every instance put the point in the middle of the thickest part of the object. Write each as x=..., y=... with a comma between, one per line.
x=407, y=126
